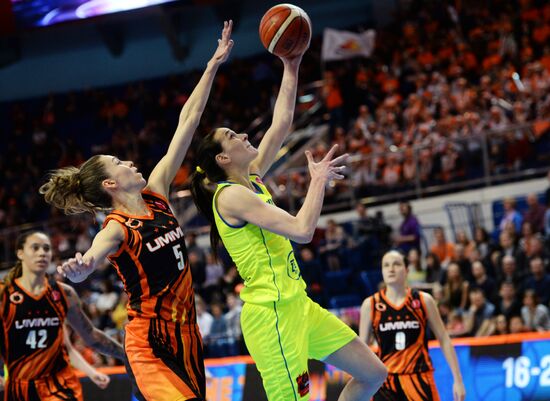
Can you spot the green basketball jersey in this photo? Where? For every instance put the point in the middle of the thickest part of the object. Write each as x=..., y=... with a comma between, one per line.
x=264, y=260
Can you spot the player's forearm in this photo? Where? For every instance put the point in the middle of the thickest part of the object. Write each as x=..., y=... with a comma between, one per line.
x=198, y=98
x=309, y=213
x=78, y=362
x=283, y=112
x=450, y=356
x=104, y=344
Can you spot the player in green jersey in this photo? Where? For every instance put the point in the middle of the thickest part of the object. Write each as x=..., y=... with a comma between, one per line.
x=282, y=327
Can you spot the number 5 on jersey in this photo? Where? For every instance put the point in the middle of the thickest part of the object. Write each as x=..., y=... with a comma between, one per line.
x=179, y=256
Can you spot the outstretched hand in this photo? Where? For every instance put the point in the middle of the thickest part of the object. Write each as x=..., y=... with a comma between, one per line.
x=225, y=44
x=327, y=169
x=77, y=269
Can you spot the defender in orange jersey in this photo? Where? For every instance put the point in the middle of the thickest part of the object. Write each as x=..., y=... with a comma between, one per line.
x=143, y=240
x=34, y=347
x=397, y=317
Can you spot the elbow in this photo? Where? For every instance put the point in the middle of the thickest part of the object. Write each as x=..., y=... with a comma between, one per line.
x=304, y=236
x=192, y=117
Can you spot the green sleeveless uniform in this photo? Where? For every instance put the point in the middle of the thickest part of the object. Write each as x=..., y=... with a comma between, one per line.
x=282, y=327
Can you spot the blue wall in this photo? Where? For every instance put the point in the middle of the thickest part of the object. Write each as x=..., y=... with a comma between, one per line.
x=72, y=56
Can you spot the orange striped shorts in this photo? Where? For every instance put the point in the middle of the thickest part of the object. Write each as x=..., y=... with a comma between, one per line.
x=408, y=387
x=62, y=385
x=165, y=360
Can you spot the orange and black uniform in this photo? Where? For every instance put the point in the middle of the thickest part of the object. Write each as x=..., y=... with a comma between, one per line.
x=163, y=343
x=32, y=346
x=400, y=331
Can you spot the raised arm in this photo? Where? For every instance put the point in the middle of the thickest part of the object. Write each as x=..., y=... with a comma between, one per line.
x=283, y=114
x=77, y=361
x=240, y=204
x=92, y=336
x=438, y=328
x=164, y=172
x=106, y=242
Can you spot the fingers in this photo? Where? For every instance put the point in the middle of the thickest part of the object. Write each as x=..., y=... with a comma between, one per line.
x=331, y=152
x=227, y=29
x=78, y=258
x=309, y=157
x=340, y=159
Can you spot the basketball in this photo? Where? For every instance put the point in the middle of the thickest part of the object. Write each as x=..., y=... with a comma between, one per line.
x=285, y=30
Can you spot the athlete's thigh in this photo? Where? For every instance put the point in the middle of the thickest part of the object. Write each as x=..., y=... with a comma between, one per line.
x=276, y=338
x=164, y=361
x=327, y=334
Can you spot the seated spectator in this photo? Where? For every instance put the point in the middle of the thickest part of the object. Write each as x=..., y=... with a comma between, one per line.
x=233, y=319
x=463, y=262
x=508, y=304
x=507, y=246
x=310, y=267
x=479, y=316
x=534, y=315
x=455, y=325
x=455, y=289
x=462, y=239
x=204, y=318
x=335, y=242
x=213, y=276
x=535, y=213
x=516, y=325
x=509, y=273
x=511, y=215
x=538, y=280
x=443, y=249
x=220, y=343
x=416, y=276
x=482, y=242
x=501, y=325
x=482, y=281
x=434, y=273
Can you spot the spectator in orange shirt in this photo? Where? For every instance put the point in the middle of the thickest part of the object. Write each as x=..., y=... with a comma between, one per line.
x=444, y=250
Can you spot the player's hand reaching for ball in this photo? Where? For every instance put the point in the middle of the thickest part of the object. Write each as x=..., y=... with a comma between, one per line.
x=77, y=269
x=328, y=168
x=225, y=44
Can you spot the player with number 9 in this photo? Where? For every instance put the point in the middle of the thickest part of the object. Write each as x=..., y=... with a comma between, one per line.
x=35, y=347
x=397, y=318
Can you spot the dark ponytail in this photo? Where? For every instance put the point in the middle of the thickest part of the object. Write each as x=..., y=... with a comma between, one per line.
x=203, y=183
x=17, y=270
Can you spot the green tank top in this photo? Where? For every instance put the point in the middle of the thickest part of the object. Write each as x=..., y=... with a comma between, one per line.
x=264, y=260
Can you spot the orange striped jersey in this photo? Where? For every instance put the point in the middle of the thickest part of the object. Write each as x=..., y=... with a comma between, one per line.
x=153, y=265
x=32, y=342
x=400, y=331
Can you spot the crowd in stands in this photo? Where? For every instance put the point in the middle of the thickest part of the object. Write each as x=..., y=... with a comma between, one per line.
x=444, y=86
x=415, y=110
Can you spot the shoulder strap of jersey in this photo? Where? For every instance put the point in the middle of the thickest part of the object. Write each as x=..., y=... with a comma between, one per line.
x=57, y=289
x=151, y=194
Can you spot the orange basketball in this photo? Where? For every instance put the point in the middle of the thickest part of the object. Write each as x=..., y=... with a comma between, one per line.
x=285, y=30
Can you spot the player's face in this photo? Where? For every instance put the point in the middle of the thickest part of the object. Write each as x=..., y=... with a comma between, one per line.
x=123, y=173
x=236, y=146
x=394, y=270
x=36, y=254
